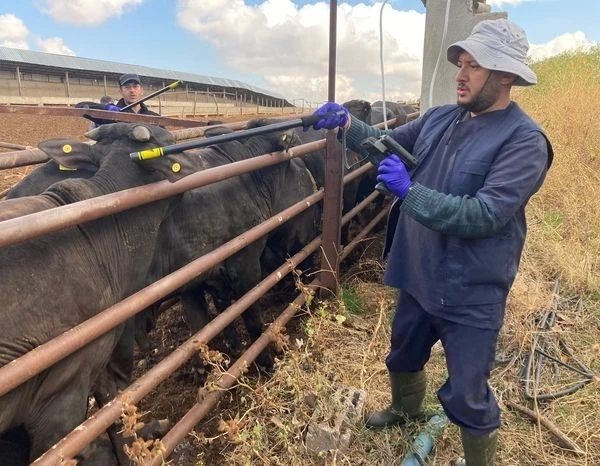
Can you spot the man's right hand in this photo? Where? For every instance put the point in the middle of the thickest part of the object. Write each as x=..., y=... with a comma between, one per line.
x=112, y=108
x=392, y=172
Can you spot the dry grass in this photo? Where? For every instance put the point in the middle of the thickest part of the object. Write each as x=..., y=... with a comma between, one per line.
x=343, y=344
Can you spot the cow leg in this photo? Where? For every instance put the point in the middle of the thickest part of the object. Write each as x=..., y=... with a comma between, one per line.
x=98, y=453
x=144, y=322
x=14, y=447
x=60, y=415
x=245, y=272
x=114, y=378
x=195, y=308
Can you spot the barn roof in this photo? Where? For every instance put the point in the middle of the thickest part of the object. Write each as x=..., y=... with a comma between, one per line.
x=65, y=62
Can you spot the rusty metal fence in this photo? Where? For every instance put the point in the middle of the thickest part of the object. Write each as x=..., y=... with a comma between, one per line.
x=33, y=225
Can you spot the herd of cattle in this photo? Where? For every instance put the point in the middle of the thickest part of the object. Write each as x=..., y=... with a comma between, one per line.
x=53, y=283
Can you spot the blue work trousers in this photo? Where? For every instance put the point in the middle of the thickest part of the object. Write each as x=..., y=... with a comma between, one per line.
x=466, y=395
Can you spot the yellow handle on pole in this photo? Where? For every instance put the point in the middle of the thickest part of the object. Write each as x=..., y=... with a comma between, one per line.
x=148, y=154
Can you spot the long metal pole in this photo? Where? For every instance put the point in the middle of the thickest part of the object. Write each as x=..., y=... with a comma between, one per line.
x=333, y=178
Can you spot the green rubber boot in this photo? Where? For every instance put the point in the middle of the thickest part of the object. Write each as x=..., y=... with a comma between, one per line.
x=408, y=391
x=480, y=450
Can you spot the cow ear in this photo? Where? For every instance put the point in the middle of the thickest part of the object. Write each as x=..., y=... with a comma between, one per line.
x=289, y=139
x=69, y=153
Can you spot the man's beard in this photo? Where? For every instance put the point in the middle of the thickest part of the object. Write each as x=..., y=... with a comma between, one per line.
x=488, y=95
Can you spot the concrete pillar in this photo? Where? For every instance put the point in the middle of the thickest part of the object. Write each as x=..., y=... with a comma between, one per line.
x=19, y=82
x=446, y=22
x=67, y=87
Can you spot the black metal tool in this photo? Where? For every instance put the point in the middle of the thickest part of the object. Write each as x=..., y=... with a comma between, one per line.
x=379, y=148
x=304, y=122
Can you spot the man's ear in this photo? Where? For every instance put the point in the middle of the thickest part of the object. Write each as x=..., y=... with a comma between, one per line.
x=507, y=78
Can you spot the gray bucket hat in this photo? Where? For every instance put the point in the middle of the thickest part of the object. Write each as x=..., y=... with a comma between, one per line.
x=497, y=45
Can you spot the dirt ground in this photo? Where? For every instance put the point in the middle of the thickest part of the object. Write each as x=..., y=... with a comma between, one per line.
x=29, y=130
x=174, y=397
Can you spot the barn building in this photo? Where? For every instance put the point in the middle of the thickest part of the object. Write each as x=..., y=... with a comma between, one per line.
x=35, y=78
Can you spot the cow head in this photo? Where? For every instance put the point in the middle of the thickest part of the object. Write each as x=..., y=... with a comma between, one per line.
x=360, y=109
x=111, y=151
x=277, y=140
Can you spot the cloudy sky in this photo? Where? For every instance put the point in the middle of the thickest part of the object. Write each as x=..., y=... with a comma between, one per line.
x=280, y=45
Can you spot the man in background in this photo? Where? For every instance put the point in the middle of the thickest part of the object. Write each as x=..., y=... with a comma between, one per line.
x=131, y=89
x=107, y=100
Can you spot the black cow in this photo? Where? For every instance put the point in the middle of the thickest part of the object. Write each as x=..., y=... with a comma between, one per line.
x=315, y=160
x=57, y=281
x=210, y=216
x=360, y=109
x=393, y=110
x=51, y=172
x=207, y=217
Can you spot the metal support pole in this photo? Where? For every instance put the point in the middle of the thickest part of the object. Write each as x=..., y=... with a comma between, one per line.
x=332, y=205
x=19, y=82
x=67, y=90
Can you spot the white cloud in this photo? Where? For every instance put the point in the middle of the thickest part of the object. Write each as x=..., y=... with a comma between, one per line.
x=54, y=45
x=288, y=45
x=86, y=12
x=13, y=32
x=501, y=3
x=569, y=42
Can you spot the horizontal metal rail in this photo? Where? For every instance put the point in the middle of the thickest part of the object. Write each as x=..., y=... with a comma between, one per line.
x=47, y=354
x=29, y=226
x=48, y=221
x=103, y=114
x=25, y=157
x=91, y=428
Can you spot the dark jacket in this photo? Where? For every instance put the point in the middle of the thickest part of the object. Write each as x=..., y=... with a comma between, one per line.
x=457, y=237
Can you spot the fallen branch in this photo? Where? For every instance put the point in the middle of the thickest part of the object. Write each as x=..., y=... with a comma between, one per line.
x=564, y=440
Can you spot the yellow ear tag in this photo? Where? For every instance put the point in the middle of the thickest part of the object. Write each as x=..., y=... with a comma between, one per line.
x=176, y=167
x=67, y=148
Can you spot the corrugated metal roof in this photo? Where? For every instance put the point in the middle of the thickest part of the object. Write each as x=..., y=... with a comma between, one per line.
x=103, y=66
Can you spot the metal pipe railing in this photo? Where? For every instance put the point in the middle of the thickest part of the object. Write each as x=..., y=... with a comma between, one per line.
x=32, y=156
x=33, y=225
x=211, y=328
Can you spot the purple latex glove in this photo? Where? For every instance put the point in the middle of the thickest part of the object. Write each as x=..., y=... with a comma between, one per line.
x=112, y=108
x=330, y=116
x=392, y=172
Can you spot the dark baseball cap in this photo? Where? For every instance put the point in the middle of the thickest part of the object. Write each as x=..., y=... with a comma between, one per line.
x=129, y=77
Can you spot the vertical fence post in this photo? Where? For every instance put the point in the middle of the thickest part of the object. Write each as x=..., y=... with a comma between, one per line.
x=18, y=70
x=332, y=209
x=67, y=88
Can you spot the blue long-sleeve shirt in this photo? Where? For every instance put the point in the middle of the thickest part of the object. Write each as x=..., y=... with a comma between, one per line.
x=456, y=239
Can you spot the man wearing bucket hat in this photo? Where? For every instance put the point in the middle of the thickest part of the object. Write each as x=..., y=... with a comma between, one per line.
x=457, y=229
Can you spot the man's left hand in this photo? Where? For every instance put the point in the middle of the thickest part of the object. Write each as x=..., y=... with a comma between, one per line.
x=392, y=172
